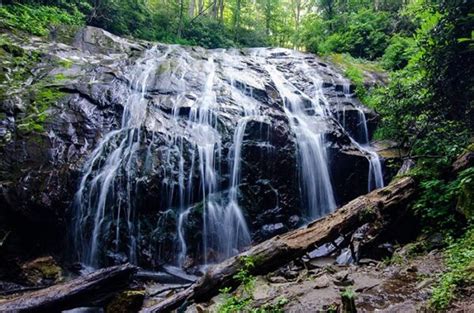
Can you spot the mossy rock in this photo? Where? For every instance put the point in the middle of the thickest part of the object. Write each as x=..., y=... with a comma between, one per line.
x=16, y=51
x=126, y=302
x=43, y=270
x=37, y=112
x=466, y=197
x=64, y=33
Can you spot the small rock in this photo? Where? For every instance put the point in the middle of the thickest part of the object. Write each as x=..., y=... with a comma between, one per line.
x=322, y=282
x=291, y=274
x=342, y=275
x=274, y=229
x=315, y=272
x=277, y=279
x=320, y=262
x=366, y=261
x=435, y=241
x=344, y=283
x=424, y=283
x=262, y=290
x=342, y=279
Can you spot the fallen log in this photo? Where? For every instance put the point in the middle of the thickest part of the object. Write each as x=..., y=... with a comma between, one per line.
x=384, y=204
x=85, y=290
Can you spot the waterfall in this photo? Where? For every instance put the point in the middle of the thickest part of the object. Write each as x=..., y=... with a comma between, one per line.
x=114, y=159
x=375, y=175
x=315, y=184
x=182, y=219
x=186, y=116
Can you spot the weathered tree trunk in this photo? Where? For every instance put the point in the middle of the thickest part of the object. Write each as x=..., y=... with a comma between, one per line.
x=90, y=289
x=384, y=204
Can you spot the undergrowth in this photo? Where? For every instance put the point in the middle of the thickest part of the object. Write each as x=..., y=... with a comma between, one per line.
x=242, y=300
x=37, y=19
x=459, y=259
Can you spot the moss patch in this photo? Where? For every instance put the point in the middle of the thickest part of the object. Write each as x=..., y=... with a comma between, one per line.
x=127, y=301
x=37, y=112
x=15, y=65
x=42, y=270
x=66, y=63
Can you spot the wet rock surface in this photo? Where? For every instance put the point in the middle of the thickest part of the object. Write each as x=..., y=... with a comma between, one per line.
x=71, y=96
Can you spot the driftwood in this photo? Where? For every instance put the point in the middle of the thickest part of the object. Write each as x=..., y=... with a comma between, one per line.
x=86, y=290
x=384, y=204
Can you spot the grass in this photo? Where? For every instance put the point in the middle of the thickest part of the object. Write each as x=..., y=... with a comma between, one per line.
x=346, y=61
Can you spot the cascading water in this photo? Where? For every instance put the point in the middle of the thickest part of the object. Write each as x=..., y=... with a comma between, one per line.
x=186, y=116
x=113, y=160
x=375, y=176
x=303, y=114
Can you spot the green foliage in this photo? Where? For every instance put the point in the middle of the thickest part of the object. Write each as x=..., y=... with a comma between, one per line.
x=436, y=205
x=465, y=199
x=354, y=69
x=423, y=104
x=395, y=259
x=397, y=53
x=242, y=301
x=427, y=105
x=362, y=33
x=37, y=20
x=207, y=33
x=459, y=259
x=233, y=304
x=348, y=293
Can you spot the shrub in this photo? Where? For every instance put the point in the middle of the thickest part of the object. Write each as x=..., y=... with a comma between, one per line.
x=37, y=19
x=398, y=53
x=459, y=259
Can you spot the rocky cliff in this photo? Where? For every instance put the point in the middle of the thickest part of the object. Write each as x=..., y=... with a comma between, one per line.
x=64, y=98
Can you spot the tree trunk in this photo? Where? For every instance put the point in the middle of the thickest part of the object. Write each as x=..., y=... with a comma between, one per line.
x=201, y=6
x=221, y=11
x=90, y=289
x=181, y=18
x=191, y=8
x=214, y=9
x=385, y=205
x=236, y=18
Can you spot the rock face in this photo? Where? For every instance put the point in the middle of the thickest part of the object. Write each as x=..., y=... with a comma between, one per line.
x=65, y=102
